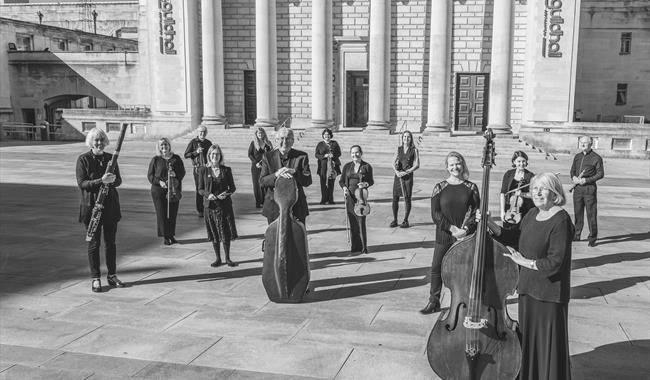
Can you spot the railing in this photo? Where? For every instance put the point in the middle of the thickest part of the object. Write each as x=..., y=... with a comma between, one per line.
x=15, y=130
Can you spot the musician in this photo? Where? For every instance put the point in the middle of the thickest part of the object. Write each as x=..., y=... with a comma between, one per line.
x=329, y=165
x=289, y=163
x=91, y=175
x=453, y=205
x=166, y=167
x=587, y=168
x=196, y=151
x=216, y=186
x=256, y=150
x=544, y=285
x=514, y=179
x=356, y=174
x=406, y=161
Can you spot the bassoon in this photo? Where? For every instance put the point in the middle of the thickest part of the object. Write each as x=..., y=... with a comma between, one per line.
x=98, y=209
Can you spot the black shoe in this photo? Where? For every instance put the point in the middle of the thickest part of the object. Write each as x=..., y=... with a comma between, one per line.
x=167, y=242
x=322, y=202
x=96, y=285
x=115, y=282
x=393, y=224
x=173, y=240
x=592, y=243
x=576, y=238
x=331, y=203
x=364, y=251
x=231, y=263
x=405, y=224
x=217, y=263
x=432, y=307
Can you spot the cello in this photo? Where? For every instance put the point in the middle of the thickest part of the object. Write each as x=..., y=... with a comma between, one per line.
x=285, y=271
x=476, y=338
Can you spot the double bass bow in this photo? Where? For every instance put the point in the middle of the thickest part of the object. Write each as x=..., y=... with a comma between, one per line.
x=476, y=338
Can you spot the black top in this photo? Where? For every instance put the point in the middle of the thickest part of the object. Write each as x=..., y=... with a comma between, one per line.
x=190, y=151
x=510, y=183
x=321, y=150
x=350, y=179
x=548, y=242
x=158, y=170
x=405, y=160
x=209, y=184
x=591, y=163
x=255, y=155
x=90, y=170
x=271, y=162
x=454, y=205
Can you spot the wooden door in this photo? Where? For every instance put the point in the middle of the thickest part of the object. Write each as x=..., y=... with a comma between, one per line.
x=250, y=97
x=356, y=99
x=471, y=102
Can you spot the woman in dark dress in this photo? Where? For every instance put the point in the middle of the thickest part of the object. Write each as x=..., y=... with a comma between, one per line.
x=544, y=287
x=216, y=185
x=405, y=162
x=513, y=179
x=356, y=174
x=327, y=155
x=453, y=206
x=163, y=167
x=91, y=175
x=256, y=150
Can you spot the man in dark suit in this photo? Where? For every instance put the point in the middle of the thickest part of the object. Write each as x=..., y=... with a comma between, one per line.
x=288, y=163
x=587, y=168
x=197, y=150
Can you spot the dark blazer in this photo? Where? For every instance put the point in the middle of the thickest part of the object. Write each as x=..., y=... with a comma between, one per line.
x=90, y=169
x=158, y=170
x=206, y=186
x=190, y=151
x=350, y=179
x=321, y=150
x=271, y=162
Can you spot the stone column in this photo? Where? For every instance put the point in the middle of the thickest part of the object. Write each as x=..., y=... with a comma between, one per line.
x=379, y=61
x=500, y=68
x=266, y=65
x=214, y=108
x=437, y=110
x=321, y=64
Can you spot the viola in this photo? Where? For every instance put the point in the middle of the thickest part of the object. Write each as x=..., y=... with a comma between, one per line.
x=361, y=207
x=285, y=271
x=513, y=215
x=476, y=338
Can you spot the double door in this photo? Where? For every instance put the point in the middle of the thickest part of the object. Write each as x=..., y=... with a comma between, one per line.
x=471, y=102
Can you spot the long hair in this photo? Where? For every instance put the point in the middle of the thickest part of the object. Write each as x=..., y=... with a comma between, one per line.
x=264, y=141
x=213, y=148
x=401, y=140
x=462, y=162
x=163, y=139
x=93, y=134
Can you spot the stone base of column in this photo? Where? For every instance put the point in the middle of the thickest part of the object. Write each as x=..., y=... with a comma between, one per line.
x=321, y=124
x=266, y=123
x=214, y=122
x=500, y=129
x=377, y=127
x=437, y=129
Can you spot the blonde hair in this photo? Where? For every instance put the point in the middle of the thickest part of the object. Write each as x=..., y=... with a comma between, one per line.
x=93, y=134
x=462, y=162
x=163, y=139
x=260, y=143
x=551, y=182
x=213, y=148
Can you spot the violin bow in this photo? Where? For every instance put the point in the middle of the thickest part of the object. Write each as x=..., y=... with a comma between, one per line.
x=347, y=224
x=521, y=187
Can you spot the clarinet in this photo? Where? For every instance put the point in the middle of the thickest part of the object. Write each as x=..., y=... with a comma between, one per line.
x=98, y=209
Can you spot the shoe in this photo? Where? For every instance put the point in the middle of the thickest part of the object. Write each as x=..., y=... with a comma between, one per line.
x=405, y=224
x=430, y=308
x=115, y=282
x=173, y=240
x=592, y=243
x=231, y=263
x=96, y=285
x=393, y=224
x=217, y=263
x=167, y=242
x=364, y=251
x=321, y=202
x=576, y=238
x=331, y=203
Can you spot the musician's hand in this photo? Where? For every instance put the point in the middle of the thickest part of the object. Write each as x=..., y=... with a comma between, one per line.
x=258, y=165
x=285, y=172
x=212, y=197
x=457, y=232
x=222, y=196
x=346, y=191
x=517, y=257
x=583, y=181
x=199, y=150
x=362, y=185
x=172, y=173
x=108, y=178
x=518, y=193
x=575, y=180
x=163, y=184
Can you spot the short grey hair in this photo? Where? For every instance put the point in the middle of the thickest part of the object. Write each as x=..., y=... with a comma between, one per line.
x=93, y=134
x=591, y=139
x=283, y=129
x=551, y=182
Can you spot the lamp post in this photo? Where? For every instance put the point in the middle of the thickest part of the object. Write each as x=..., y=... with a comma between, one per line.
x=40, y=17
x=94, y=21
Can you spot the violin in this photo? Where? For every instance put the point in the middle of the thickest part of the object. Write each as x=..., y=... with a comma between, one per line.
x=513, y=215
x=476, y=339
x=361, y=207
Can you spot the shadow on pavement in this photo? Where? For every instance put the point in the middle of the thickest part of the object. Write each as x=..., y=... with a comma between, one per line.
x=601, y=288
x=590, y=262
x=621, y=360
x=623, y=238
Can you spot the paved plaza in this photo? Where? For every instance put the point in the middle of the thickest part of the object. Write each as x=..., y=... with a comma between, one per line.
x=182, y=319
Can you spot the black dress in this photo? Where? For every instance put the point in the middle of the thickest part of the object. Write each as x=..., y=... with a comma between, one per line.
x=218, y=213
x=404, y=162
x=509, y=183
x=350, y=179
x=255, y=155
x=327, y=184
x=158, y=171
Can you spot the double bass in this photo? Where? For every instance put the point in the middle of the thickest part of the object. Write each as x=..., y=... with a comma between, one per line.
x=285, y=271
x=476, y=338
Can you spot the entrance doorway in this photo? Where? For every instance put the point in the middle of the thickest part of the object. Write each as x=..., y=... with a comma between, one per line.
x=471, y=102
x=250, y=97
x=356, y=99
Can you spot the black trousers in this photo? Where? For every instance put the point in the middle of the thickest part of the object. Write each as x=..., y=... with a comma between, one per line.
x=109, y=228
x=439, y=251
x=199, y=197
x=257, y=190
x=326, y=189
x=585, y=197
x=166, y=223
x=358, y=236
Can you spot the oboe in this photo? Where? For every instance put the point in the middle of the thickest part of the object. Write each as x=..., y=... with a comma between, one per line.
x=98, y=209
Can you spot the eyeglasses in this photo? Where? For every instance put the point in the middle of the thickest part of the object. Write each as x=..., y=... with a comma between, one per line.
x=539, y=189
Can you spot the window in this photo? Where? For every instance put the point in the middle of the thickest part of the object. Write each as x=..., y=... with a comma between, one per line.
x=88, y=46
x=60, y=44
x=111, y=127
x=87, y=125
x=23, y=42
x=626, y=43
x=621, y=94
x=621, y=144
